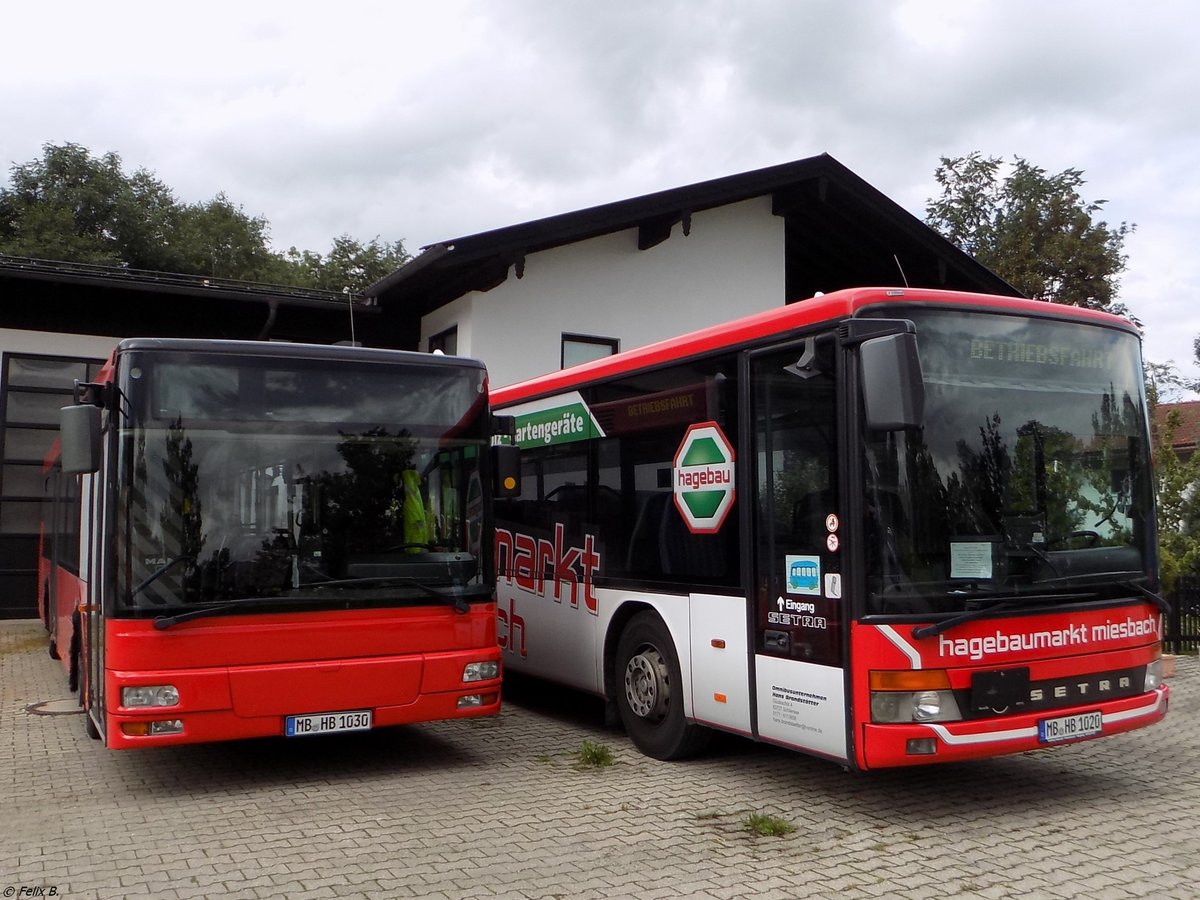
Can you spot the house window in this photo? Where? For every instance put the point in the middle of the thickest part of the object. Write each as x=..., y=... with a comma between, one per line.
x=446, y=341
x=581, y=348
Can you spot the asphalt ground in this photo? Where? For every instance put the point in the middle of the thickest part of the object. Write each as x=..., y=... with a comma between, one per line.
x=502, y=807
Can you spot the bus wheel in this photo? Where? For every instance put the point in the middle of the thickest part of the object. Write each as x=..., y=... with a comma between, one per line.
x=650, y=691
x=46, y=621
x=76, y=652
x=89, y=726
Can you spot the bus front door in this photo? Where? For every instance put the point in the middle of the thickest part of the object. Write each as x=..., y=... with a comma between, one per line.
x=796, y=538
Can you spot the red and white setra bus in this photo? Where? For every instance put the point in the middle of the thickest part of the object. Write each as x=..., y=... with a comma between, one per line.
x=883, y=526
x=273, y=539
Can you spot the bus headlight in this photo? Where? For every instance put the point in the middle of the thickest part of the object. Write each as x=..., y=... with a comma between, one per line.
x=921, y=695
x=886, y=707
x=474, y=701
x=150, y=695
x=481, y=671
x=914, y=706
x=1154, y=675
x=934, y=706
x=142, y=729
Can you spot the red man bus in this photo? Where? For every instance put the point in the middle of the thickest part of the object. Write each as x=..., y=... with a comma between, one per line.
x=885, y=527
x=273, y=539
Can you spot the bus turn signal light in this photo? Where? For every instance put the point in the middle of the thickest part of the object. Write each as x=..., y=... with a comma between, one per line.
x=144, y=729
x=910, y=680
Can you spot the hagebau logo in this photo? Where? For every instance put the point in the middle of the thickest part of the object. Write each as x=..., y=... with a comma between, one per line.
x=703, y=478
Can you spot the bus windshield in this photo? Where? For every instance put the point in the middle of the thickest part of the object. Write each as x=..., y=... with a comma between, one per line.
x=1030, y=477
x=296, y=483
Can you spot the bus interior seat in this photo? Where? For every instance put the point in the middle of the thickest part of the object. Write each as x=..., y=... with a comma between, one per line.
x=685, y=553
x=662, y=543
x=642, y=555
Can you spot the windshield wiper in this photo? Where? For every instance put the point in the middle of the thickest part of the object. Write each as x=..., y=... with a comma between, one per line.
x=1119, y=579
x=1122, y=579
x=1019, y=600
x=1164, y=606
x=455, y=595
x=161, y=623
x=160, y=572
x=924, y=631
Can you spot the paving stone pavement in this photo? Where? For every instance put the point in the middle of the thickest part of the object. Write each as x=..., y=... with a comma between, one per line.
x=498, y=808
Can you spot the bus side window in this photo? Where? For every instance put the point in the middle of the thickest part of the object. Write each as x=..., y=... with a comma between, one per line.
x=642, y=556
x=646, y=419
x=554, y=491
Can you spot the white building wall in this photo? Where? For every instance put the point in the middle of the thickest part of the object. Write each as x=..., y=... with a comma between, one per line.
x=456, y=314
x=46, y=343
x=730, y=265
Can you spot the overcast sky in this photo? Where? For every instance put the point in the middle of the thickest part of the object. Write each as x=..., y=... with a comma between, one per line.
x=429, y=121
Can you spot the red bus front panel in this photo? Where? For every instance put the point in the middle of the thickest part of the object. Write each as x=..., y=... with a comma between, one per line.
x=1018, y=683
x=242, y=676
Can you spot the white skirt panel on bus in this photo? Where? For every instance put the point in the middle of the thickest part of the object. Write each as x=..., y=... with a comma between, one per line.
x=674, y=612
x=551, y=637
x=548, y=633
x=718, y=662
x=802, y=705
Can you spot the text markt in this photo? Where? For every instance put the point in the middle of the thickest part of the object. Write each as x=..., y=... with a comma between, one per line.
x=542, y=566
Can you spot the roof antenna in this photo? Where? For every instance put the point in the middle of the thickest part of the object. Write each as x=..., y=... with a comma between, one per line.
x=901, y=268
x=350, y=303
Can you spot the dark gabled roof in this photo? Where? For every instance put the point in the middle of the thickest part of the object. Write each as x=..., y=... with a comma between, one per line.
x=48, y=295
x=841, y=232
x=98, y=276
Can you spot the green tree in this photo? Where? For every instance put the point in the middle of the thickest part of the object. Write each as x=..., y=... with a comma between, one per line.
x=217, y=238
x=349, y=264
x=150, y=218
x=1033, y=229
x=71, y=206
x=1178, y=507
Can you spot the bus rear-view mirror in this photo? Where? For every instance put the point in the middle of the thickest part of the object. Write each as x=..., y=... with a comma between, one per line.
x=506, y=470
x=79, y=430
x=892, y=384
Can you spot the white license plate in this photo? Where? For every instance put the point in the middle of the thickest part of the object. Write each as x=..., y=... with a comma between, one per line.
x=327, y=723
x=1070, y=728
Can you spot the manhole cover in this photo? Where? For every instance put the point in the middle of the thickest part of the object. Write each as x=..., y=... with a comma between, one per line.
x=68, y=706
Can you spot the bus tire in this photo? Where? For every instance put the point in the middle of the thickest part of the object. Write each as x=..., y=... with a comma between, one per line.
x=649, y=691
x=76, y=653
x=89, y=726
x=46, y=617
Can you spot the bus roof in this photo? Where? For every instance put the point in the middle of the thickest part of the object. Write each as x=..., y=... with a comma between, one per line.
x=283, y=349
x=829, y=308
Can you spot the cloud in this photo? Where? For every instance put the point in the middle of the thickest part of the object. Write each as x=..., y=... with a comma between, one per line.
x=429, y=122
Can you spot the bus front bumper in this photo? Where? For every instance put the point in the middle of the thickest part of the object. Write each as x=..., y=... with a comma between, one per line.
x=298, y=699
x=937, y=742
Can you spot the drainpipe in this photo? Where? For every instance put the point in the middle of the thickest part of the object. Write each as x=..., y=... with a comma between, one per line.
x=270, y=323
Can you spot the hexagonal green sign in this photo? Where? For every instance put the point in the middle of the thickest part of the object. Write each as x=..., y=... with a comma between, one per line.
x=703, y=478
